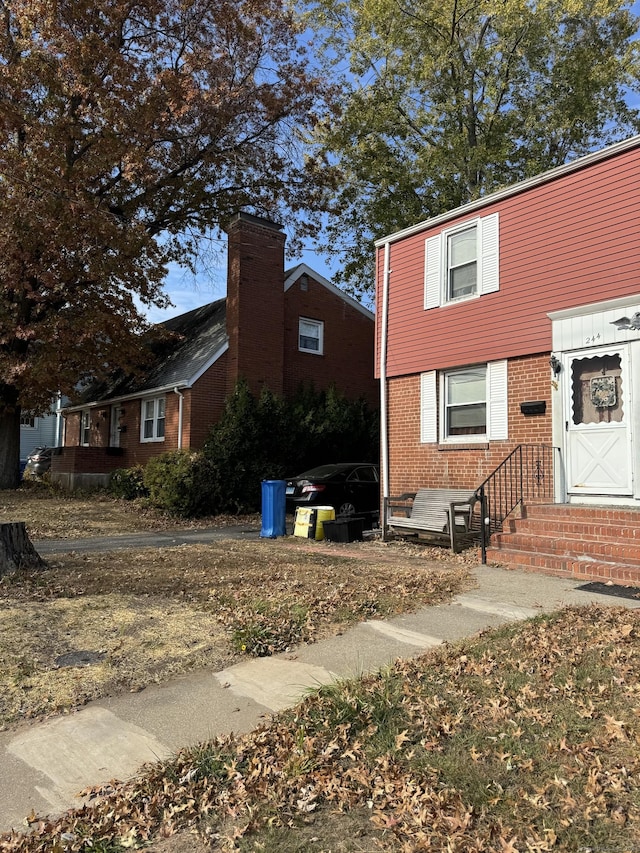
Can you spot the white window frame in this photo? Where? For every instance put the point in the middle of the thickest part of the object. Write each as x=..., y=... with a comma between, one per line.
x=85, y=428
x=28, y=422
x=436, y=274
x=448, y=266
x=433, y=414
x=466, y=438
x=319, y=325
x=158, y=416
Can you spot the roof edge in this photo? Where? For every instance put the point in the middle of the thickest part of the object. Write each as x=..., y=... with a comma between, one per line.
x=304, y=269
x=514, y=189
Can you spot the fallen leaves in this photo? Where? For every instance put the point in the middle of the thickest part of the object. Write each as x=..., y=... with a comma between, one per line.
x=379, y=744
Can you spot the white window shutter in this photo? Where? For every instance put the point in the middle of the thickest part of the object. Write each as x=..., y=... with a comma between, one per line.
x=489, y=254
x=497, y=400
x=428, y=408
x=432, y=271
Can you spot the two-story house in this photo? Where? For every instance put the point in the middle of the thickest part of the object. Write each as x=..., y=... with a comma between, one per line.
x=509, y=342
x=276, y=329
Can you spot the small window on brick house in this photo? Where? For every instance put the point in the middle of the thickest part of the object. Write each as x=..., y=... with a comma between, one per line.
x=85, y=428
x=153, y=419
x=311, y=336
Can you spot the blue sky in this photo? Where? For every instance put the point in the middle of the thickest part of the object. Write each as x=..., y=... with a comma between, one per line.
x=188, y=291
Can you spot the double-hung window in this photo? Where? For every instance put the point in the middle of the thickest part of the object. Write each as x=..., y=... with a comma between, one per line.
x=85, y=428
x=153, y=418
x=465, y=402
x=310, y=336
x=464, y=405
x=462, y=262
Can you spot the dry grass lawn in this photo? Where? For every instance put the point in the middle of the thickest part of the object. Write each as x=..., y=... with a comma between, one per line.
x=97, y=624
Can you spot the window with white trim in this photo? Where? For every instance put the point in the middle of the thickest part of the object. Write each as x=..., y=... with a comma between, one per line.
x=310, y=336
x=85, y=428
x=28, y=421
x=462, y=262
x=472, y=404
x=152, y=420
x=464, y=398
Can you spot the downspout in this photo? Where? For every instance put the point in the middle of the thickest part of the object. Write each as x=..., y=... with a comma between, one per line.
x=180, y=408
x=384, y=441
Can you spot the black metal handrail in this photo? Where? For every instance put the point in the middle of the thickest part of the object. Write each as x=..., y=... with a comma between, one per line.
x=526, y=474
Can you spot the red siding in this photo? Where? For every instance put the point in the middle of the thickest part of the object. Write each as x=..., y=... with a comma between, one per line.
x=571, y=241
x=413, y=465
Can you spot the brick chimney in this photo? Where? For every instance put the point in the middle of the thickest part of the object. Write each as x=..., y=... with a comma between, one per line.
x=255, y=303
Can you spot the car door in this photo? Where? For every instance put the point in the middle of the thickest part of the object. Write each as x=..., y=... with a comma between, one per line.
x=363, y=488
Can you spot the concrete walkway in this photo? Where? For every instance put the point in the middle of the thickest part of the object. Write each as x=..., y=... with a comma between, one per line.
x=45, y=765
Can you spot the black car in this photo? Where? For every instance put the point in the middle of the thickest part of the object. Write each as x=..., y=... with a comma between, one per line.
x=351, y=488
x=38, y=462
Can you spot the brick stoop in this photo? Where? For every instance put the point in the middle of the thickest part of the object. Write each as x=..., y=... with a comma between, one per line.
x=599, y=543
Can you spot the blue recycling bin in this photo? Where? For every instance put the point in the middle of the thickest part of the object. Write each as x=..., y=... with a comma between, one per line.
x=273, y=509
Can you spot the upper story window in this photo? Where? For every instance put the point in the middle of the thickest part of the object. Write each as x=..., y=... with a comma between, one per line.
x=85, y=428
x=462, y=262
x=28, y=421
x=310, y=336
x=153, y=418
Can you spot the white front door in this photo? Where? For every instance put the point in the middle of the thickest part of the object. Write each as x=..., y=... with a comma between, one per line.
x=598, y=422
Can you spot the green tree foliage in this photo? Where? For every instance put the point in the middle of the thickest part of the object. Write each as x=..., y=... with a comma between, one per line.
x=256, y=439
x=447, y=100
x=128, y=128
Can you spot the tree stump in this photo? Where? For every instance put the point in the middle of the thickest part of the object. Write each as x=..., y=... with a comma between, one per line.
x=16, y=549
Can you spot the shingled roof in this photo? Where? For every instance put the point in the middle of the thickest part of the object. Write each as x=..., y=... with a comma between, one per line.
x=197, y=339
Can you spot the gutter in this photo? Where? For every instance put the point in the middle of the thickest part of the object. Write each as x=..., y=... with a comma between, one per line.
x=177, y=391
x=384, y=440
x=138, y=395
x=514, y=189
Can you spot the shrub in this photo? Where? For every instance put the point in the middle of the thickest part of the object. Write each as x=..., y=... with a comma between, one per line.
x=270, y=438
x=180, y=483
x=128, y=483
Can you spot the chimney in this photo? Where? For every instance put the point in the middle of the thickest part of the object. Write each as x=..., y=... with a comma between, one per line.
x=255, y=303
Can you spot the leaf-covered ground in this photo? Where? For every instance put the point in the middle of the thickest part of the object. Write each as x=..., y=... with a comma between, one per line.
x=524, y=739
x=147, y=615
x=53, y=514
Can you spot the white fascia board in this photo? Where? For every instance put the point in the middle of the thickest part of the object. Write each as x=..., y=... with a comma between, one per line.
x=594, y=307
x=303, y=269
x=209, y=363
x=139, y=395
x=514, y=189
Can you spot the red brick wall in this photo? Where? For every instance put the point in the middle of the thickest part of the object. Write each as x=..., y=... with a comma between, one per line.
x=413, y=465
x=348, y=352
x=209, y=394
x=255, y=303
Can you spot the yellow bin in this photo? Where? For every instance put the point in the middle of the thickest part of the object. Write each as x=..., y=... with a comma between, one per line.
x=310, y=520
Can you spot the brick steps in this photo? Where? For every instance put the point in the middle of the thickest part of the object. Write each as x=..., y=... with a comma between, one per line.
x=583, y=542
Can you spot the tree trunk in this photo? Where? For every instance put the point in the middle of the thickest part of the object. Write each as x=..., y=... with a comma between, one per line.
x=9, y=438
x=16, y=549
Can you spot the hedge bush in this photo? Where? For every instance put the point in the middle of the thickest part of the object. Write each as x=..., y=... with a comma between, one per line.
x=256, y=439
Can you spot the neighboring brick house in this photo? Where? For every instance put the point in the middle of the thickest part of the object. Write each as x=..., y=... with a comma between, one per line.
x=276, y=329
x=515, y=320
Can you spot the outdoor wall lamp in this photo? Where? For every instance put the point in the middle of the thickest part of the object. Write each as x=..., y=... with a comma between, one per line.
x=555, y=364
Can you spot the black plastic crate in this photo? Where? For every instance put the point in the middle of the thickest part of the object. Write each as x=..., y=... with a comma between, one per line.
x=344, y=530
